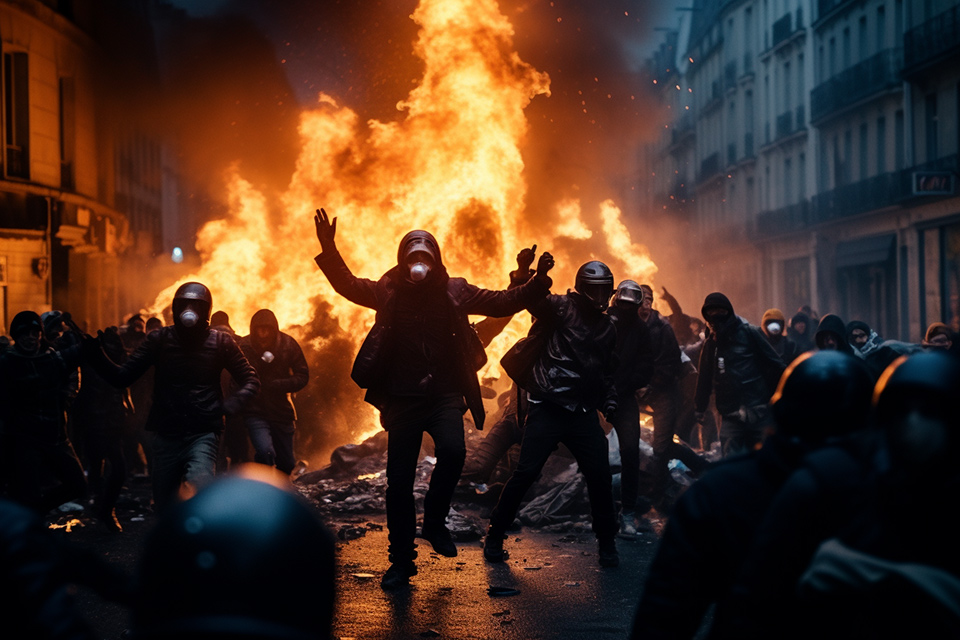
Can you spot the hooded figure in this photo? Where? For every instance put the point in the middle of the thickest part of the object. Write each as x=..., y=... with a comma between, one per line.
x=33, y=430
x=831, y=335
x=774, y=327
x=270, y=417
x=801, y=331
x=742, y=369
x=418, y=364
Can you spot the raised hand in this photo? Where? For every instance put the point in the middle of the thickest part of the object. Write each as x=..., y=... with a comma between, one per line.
x=544, y=264
x=326, y=231
x=525, y=259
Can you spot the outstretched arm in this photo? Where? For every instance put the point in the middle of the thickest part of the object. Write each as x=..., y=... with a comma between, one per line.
x=357, y=290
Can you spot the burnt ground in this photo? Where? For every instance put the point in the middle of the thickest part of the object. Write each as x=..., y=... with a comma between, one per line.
x=561, y=590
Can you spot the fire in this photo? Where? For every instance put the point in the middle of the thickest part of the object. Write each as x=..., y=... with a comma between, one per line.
x=450, y=163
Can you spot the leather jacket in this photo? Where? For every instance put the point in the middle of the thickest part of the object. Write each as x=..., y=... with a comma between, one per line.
x=374, y=358
x=576, y=368
x=187, y=394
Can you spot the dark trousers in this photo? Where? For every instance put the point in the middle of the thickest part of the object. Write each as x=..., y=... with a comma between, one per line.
x=272, y=442
x=178, y=460
x=492, y=448
x=548, y=425
x=626, y=423
x=666, y=405
x=32, y=463
x=108, y=466
x=406, y=420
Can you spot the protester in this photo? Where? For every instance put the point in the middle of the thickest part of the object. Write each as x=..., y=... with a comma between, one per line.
x=270, y=417
x=634, y=371
x=245, y=558
x=33, y=396
x=742, y=370
x=418, y=364
x=711, y=528
x=773, y=326
x=801, y=331
x=568, y=378
x=188, y=403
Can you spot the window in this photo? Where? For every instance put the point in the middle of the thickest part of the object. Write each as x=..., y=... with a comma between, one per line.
x=899, y=155
x=863, y=151
x=833, y=57
x=930, y=126
x=881, y=28
x=846, y=47
x=847, y=155
x=16, y=114
x=802, y=181
x=881, y=145
x=862, y=37
x=67, y=133
x=787, y=182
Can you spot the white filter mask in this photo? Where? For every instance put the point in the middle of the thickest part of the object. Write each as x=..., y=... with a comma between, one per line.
x=774, y=328
x=189, y=318
x=419, y=272
x=267, y=357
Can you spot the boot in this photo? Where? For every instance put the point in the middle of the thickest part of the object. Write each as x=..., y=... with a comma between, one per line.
x=441, y=540
x=493, y=550
x=628, y=528
x=398, y=575
x=608, y=553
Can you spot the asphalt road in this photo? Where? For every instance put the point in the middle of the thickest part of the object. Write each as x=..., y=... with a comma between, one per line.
x=562, y=590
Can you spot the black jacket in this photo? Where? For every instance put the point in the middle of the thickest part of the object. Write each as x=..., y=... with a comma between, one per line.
x=374, y=359
x=285, y=374
x=634, y=351
x=666, y=352
x=32, y=398
x=750, y=369
x=576, y=368
x=187, y=395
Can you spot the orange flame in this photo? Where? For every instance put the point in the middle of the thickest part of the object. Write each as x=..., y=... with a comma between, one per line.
x=451, y=163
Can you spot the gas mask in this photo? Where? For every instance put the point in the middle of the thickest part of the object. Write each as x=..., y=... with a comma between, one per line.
x=418, y=256
x=419, y=271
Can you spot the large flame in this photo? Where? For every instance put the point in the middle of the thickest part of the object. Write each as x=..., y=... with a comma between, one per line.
x=451, y=163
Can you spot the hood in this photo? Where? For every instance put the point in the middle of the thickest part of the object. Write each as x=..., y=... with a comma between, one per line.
x=264, y=318
x=773, y=315
x=716, y=299
x=833, y=324
x=798, y=317
x=419, y=240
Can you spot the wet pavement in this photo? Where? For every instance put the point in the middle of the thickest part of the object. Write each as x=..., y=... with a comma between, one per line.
x=562, y=590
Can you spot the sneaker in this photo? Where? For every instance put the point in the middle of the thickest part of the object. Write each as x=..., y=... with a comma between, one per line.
x=608, y=553
x=441, y=540
x=398, y=576
x=493, y=550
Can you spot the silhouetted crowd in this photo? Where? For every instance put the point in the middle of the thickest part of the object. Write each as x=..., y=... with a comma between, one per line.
x=825, y=456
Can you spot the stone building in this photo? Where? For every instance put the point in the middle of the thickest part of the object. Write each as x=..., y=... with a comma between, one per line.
x=823, y=137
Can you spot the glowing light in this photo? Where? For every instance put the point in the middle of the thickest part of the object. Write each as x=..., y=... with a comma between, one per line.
x=177, y=255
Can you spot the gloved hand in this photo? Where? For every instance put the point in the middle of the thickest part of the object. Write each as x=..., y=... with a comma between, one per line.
x=326, y=231
x=525, y=258
x=544, y=264
x=610, y=410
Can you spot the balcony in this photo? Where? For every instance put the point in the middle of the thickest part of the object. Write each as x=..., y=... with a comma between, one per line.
x=709, y=167
x=782, y=29
x=932, y=42
x=682, y=129
x=747, y=63
x=730, y=75
x=748, y=151
x=784, y=220
x=789, y=123
x=825, y=7
x=876, y=75
x=873, y=193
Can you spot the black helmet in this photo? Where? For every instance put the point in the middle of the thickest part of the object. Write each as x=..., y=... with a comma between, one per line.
x=595, y=283
x=223, y=565
x=915, y=403
x=822, y=395
x=629, y=293
x=24, y=322
x=192, y=298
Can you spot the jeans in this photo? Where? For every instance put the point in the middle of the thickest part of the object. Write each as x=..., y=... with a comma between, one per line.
x=179, y=460
x=406, y=420
x=547, y=426
x=665, y=403
x=272, y=442
x=626, y=422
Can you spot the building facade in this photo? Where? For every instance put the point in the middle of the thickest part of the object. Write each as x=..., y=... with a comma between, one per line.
x=825, y=140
